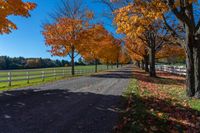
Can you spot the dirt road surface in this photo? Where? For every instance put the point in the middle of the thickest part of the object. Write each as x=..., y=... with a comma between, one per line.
x=88, y=104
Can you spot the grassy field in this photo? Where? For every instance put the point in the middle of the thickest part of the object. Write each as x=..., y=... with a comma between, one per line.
x=159, y=105
x=50, y=74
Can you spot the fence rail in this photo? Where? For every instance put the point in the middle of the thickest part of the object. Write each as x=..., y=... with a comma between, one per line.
x=28, y=75
x=179, y=70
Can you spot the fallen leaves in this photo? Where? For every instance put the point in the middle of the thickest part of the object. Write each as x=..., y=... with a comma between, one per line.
x=158, y=106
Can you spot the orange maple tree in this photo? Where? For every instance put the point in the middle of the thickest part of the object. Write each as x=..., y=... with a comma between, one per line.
x=62, y=37
x=111, y=50
x=92, y=41
x=98, y=45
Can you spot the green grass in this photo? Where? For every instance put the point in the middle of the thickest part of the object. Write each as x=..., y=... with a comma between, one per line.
x=22, y=74
x=159, y=107
x=178, y=93
x=135, y=109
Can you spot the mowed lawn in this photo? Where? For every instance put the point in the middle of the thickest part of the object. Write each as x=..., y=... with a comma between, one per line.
x=43, y=75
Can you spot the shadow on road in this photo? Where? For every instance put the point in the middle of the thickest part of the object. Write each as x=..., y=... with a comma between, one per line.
x=122, y=74
x=57, y=111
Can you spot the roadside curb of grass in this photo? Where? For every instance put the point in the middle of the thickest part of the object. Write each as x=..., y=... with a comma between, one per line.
x=125, y=124
x=35, y=84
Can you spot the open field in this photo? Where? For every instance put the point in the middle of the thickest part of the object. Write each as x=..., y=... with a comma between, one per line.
x=28, y=77
x=159, y=105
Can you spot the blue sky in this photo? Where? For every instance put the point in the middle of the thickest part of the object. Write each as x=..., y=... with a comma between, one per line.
x=28, y=41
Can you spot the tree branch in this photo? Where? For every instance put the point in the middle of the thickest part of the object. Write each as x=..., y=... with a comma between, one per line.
x=179, y=39
x=179, y=14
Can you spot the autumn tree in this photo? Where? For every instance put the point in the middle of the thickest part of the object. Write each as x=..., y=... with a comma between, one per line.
x=62, y=34
x=170, y=51
x=124, y=57
x=13, y=7
x=93, y=43
x=136, y=23
x=110, y=51
x=62, y=37
x=118, y=51
x=186, y=32
x=186, y=13
x=138, y=51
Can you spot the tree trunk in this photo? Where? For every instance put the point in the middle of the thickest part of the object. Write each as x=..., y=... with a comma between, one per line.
x=190, y=79
x=138, y=63
x=190, y=73
x=72, y=60
x=196, y=56
x=96, y=63
x=117, y=63
x=146, y=63
x=142, y=63
x=152, y=71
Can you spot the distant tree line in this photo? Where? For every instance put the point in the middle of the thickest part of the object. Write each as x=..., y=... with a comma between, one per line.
x=27, y=63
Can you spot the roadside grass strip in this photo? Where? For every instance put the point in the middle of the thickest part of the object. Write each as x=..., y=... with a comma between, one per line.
x=159, y=105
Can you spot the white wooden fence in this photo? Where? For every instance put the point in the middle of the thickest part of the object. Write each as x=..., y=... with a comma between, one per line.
x=179, y=70
x=42, y=74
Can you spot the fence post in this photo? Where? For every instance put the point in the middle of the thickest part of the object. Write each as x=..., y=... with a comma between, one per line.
x=9, y=78
x=54, y=73
x=27, y=73
x=43, y=74
x=63, y=73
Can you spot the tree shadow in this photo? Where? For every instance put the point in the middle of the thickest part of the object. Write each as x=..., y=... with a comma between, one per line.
x=58, y=111
x=121, y=74
x=153, y=115
x=162, y=78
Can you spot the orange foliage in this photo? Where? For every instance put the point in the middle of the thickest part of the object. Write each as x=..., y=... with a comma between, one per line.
x=170, y=50
x=62, y=36
x=98, y=44
x=13, y=7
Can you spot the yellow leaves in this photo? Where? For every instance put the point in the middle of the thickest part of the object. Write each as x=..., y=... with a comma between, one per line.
x=133, y=19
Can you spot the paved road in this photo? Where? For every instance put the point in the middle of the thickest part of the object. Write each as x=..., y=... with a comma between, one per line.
x=82, y=105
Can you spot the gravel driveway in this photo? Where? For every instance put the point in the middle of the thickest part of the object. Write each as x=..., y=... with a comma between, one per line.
x=81, y=105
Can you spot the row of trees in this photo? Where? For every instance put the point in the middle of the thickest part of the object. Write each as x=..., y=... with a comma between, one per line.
x=72, y=34
x=160, y=28
x=153, y=29
x=24, y=63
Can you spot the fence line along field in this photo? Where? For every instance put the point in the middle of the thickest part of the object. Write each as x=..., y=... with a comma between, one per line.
x=25, y=77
